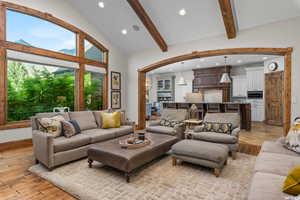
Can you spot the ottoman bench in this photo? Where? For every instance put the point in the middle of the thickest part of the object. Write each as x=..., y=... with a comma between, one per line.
x=206, y=154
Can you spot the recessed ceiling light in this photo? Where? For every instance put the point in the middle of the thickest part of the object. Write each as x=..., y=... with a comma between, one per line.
x=265, y=58
x=239, y=61
x=101, y=4
x=124, y=31
x=182, y=12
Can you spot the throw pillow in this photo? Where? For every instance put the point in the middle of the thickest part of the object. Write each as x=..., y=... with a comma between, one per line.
x=292, y=182
x=169, y=123
x=164, y=122
x=70, y=128
x=76, y=126
x=111, y=120
x=216, y=127
x=173, y=123
x=292, y=140
x=51, y=125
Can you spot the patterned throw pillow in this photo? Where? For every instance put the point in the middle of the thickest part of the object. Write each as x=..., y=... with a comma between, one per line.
x=70, y=128
x=51, y=125
x=292, y=140
x=174, y=123
x=169, y=123
x=225, y=128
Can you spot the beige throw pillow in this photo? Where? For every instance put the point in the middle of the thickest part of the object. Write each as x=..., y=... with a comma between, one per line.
x=51, y=125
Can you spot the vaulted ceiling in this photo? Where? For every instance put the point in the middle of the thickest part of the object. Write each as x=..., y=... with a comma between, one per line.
x=203, y=19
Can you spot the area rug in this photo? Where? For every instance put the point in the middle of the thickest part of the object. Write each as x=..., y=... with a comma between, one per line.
x=157, y=180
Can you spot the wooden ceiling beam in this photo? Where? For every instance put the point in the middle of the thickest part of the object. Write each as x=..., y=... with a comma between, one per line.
x=228, y=18
x=144, y=17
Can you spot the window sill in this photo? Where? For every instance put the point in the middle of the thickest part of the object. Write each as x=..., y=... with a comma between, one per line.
x=14, y=125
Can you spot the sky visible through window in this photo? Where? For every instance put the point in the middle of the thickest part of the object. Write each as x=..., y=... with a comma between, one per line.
x=32, y=31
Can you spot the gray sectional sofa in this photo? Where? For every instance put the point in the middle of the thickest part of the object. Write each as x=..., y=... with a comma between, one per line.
x=271, y=168
x=53, y=152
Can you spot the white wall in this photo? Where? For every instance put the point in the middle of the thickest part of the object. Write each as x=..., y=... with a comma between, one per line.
x=64, y=11
x=281, y=34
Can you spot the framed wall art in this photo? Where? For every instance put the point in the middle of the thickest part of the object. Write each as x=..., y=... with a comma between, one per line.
x=115, y=99
x=115, y=80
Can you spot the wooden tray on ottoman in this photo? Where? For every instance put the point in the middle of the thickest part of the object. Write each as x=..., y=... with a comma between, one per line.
x=124, y=144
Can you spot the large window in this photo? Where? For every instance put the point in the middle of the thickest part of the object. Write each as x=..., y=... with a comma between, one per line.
x=93, y=89
x=39, y=74
x=92, y=52
x=35, y=88
x=32, y=31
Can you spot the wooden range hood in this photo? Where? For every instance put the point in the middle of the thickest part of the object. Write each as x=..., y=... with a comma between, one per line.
x=209, y=79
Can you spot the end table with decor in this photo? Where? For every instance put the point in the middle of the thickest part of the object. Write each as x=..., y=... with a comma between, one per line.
x=191, y=123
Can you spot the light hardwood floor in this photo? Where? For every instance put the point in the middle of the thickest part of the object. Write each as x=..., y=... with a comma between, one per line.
x=16, y=183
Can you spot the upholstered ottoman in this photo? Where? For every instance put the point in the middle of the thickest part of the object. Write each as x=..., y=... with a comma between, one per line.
x=206, y=154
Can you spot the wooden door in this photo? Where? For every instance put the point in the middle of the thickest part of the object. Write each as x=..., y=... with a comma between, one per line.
x=274, y=98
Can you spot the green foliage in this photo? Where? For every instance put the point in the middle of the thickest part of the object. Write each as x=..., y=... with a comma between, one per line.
x=93, y=91
x=34, y=89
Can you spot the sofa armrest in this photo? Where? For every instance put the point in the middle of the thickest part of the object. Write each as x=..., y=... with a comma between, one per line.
x=154, y=123
x=130, y=123
x=43, y=147
x=236, y=132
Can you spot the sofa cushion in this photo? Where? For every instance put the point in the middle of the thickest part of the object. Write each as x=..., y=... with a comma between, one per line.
x=174, y=114
x=266, y=186
x=123, y=130
x=85, y=119
x=63, y=144
x=276, y=147
x=99, y=135
x=202, y=150
x=215, y=137
x=161, y=129
x=233, y=118
x=279, y=164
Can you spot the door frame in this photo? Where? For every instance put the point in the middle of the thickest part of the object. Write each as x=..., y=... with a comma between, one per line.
x=286, y=52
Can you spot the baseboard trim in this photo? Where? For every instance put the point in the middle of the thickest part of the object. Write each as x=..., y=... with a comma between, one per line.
x=15, y=144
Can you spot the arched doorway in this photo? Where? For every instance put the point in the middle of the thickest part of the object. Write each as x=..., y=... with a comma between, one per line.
x=286, y=52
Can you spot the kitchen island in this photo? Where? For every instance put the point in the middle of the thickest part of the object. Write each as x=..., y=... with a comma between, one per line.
x=243, y=108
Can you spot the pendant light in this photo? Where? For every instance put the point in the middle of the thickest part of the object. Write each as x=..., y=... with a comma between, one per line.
x=181, y=80
x=225, y=76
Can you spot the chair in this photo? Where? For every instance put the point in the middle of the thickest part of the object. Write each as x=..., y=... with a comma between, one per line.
x=169, y=114
x=231, y=140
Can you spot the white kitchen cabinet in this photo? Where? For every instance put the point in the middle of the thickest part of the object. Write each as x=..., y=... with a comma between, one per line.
x=255, y=78
x=239, y=86
x=257, y=110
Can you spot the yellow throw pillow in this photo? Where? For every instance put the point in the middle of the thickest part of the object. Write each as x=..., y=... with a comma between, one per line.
x=292, y=182
x=111, y=120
